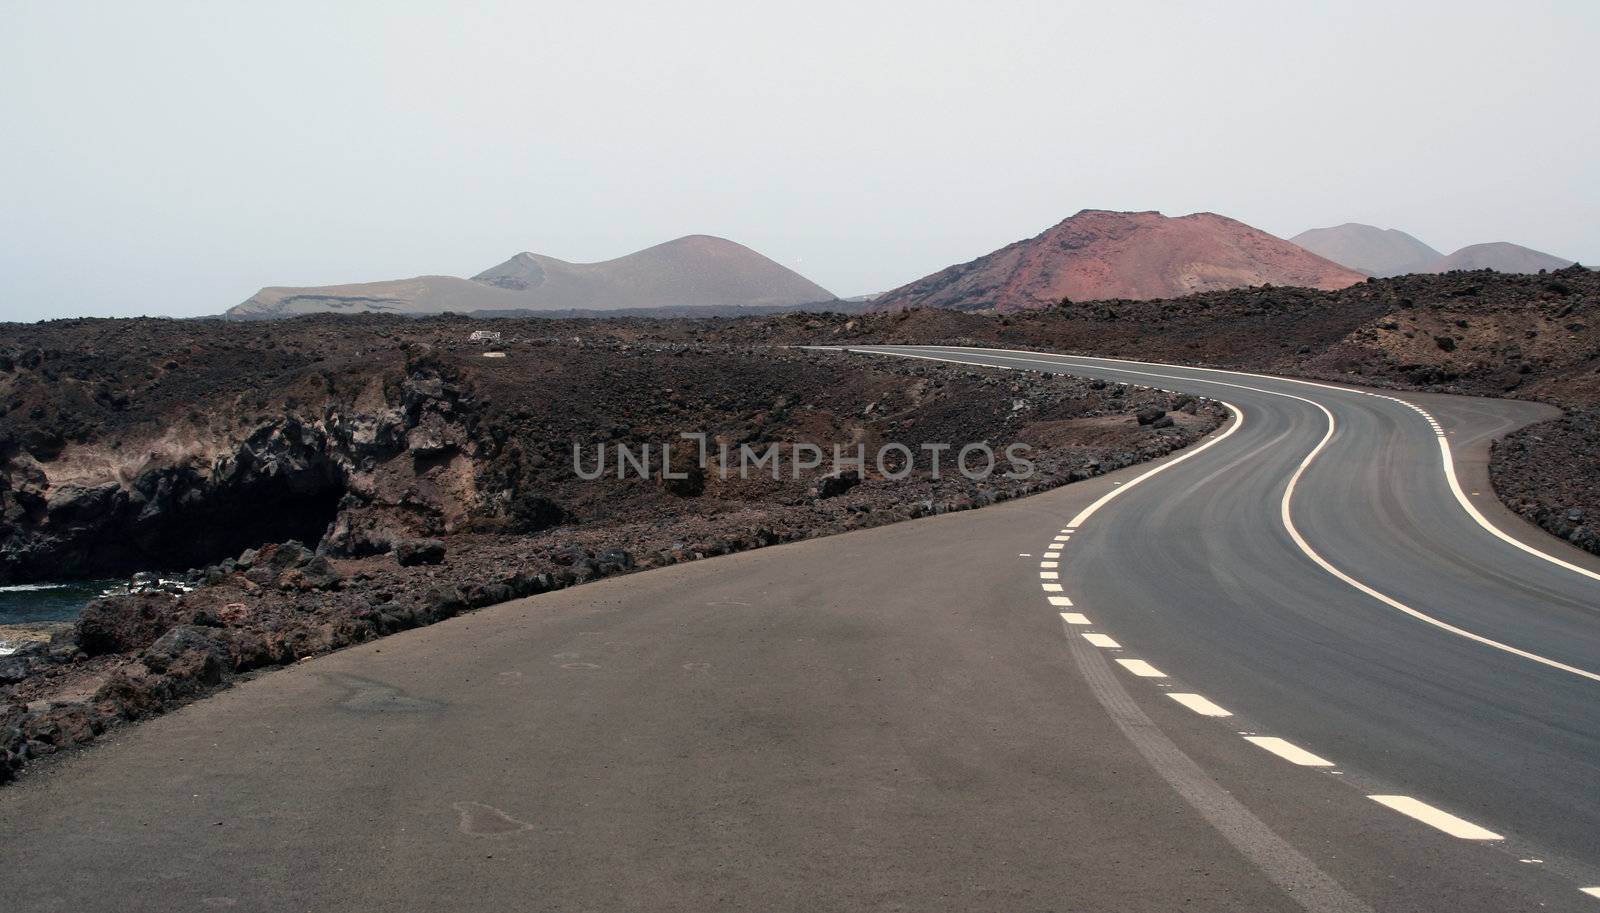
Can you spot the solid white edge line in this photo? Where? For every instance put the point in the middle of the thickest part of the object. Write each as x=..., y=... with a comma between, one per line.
x=1472, y=510
x=1326, y=565
x=1444, y=444
x=1197, y=703
x=1141, y=668
x=1103, y=641
x=1433, y=817
x=1288, y=751
x=1084, y=515
x=1288, y=493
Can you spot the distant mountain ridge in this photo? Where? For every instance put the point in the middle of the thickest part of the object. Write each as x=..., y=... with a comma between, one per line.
x=692, y=271
x=1381, y=252
x=1390, y=252
x=1500, y=256
x=1100, y=254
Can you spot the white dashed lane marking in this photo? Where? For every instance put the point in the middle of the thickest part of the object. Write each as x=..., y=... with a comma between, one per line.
x=1198, y=704
x=1288, y=751
x=1141, y=668
x=1433, y=817
x=1282, y=748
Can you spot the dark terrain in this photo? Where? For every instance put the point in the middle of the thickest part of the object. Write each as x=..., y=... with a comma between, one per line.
x=325, y=481
x=1483, y=333
x=422, y=478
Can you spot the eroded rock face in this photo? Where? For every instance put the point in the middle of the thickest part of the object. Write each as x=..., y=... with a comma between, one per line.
x=355, y=477
x=283, y=480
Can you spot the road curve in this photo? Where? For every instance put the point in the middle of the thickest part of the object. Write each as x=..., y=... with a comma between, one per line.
x=1367, y=610
x=934, y=714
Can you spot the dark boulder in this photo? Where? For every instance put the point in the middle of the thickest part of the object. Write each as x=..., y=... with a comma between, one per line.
x=835, y=484
x=62, y=725
x=172, y=646
x=116, y=624
x=273, y=561
x=14, y=669
x=443, y=602
x=1149, y=414
x=411, y=552
x=571, y=556
x=614, y=561
x=316, y=574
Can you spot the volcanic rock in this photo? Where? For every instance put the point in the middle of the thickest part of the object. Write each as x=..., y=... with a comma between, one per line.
x=409, y=552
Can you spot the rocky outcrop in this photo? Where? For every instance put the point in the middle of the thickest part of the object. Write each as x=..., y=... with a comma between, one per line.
x=346, y=477
x=1550, y=474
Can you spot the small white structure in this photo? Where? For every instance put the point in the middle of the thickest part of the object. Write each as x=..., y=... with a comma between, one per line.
x=484, y=336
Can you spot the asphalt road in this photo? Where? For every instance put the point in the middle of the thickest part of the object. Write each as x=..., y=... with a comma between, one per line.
x=904, y=719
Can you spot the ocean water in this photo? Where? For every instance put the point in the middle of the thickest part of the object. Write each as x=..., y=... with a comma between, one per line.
x=26, y=603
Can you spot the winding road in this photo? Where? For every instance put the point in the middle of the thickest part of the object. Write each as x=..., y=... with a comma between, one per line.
x=1307, y=664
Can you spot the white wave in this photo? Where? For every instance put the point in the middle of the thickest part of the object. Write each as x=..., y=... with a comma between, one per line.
x=33, y=587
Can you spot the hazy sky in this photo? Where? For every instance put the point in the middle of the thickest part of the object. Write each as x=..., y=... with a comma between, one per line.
x=171, y=158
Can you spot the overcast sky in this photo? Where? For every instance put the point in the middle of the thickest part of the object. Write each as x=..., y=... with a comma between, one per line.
x=171, y=158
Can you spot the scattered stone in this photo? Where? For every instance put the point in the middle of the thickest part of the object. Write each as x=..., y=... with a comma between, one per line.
x=837, y=483
x=411, y=552
x=1149, y=414
x=181, y=640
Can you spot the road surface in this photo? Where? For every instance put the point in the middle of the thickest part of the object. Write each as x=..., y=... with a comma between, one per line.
x=1286, y=669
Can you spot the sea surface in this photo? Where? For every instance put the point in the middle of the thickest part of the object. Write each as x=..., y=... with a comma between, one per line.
x=28, y=603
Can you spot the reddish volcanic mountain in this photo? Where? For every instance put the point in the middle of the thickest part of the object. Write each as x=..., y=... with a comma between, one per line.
x=1098, y=254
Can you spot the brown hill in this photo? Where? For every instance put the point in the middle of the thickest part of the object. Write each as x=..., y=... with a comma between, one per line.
x=693, y=271
x=1369, y=249
x=1500, y=256
x=1097, y=255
